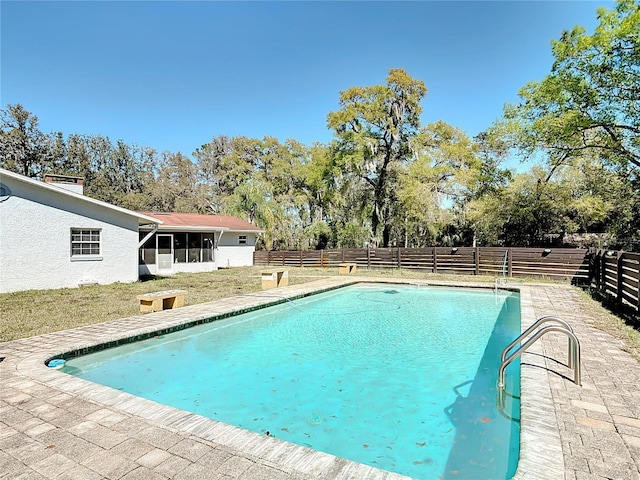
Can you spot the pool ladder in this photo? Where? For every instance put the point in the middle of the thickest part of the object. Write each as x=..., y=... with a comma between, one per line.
x=502, y=281
x=533, y=334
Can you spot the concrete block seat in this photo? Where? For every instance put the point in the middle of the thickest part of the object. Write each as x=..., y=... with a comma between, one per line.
x=157, y=301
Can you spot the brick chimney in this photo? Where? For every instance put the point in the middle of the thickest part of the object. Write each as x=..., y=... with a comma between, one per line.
x=73, y=184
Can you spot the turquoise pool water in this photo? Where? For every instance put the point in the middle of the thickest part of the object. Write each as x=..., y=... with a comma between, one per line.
x=398, y=377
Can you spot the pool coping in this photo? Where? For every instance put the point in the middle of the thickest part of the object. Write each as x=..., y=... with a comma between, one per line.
x=540, y=439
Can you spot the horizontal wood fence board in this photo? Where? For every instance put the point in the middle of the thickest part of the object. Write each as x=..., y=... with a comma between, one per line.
x=630, y=270
x=630, y=291
x=612, y=286
x=629, y=277
x=491, y=258
x=629, y=300
x=492, y=265
x=556, y=267
x=427, y=261
x=544, y=270
x=632, y=283
x=631, y=274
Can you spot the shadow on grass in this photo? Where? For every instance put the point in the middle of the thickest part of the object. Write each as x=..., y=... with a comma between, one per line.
x=149, y=278
x=626, y=313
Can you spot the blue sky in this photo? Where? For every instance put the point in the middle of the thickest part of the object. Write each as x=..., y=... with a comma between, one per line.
x=173, y=75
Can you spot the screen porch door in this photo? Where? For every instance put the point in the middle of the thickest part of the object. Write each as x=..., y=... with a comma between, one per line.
x=165, y=253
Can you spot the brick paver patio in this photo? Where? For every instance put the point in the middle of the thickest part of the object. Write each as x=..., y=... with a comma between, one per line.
x=53, y=426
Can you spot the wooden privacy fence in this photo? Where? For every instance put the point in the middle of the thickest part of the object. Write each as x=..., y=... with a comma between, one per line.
x=559, y=263
x=616, y=275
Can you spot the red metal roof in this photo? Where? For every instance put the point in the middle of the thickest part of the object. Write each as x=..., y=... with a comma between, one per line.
x=196, y=220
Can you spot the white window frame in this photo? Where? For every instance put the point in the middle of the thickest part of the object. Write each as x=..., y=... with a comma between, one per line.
x=242, y=240
x=87, y=238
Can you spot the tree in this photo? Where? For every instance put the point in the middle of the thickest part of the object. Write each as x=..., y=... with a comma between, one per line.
x=24, y=148
x=57, y=150
x=318, y=183
x=224, y=164
x=536, y=207
x=591, y=99
x=175, y=186
x=235, y=170
x=252, y=202
x=448, y=170
x=374, y=126
x=319, y=234
x=120, y=172
x=523, y=214
x=78, y=158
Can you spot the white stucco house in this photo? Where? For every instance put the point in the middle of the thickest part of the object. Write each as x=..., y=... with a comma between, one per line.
x=189, y=242
x=52, y=236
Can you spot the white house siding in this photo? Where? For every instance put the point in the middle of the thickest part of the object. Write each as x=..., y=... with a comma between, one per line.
x=35, y=240
x=231, y=254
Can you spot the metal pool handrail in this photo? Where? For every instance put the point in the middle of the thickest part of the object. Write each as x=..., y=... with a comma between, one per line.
x=574, y=353
x=540, y=321
x=502, y=281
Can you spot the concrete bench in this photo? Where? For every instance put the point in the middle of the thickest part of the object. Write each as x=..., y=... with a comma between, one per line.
x=275, y=278
x=157, y=301
x=347, y=268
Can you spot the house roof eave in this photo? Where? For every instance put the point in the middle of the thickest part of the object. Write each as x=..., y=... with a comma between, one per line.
x=142, y=219
x=246, y=231
x=190, y=228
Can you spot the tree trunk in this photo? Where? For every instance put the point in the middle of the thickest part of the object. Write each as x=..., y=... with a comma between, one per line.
x=386, y=236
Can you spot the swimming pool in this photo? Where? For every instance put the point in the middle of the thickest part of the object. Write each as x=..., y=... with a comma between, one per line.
x=365, y=372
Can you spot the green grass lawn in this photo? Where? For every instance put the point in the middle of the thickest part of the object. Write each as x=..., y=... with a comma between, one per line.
x=35, y=312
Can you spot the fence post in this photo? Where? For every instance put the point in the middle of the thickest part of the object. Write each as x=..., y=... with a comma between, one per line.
x=638, y=292
x=399, y=258
x=509, y=263
x=603, y=272
x=592, y=267
x=476, y=258
x=596, y=268
x=368, y=257
x=435, y=260
x=619, y=279
x=301, y=262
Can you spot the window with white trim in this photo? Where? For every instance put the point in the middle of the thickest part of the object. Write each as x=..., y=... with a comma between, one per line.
x=242, y=239
x=85, y=242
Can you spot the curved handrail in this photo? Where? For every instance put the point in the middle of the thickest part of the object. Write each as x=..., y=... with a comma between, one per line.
x=504, y=263
x=540, y=321
x=500, y=404
x=502, y=281
x=574, y=352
